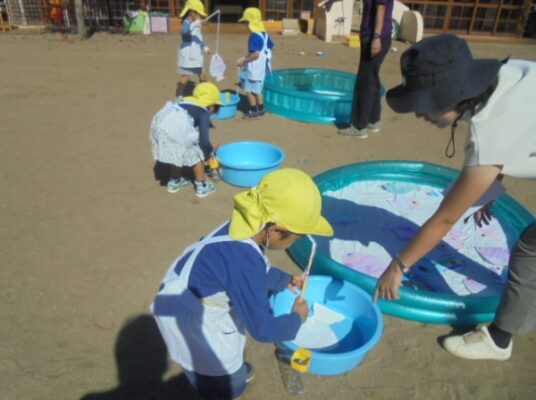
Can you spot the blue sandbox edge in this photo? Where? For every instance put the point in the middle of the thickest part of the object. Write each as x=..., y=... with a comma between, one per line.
x=437, y=308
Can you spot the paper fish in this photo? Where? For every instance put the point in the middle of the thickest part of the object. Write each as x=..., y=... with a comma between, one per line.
x=317, y=332
x=494, y=255
x=435, y=193
x=397, y=187
x=473, y=286
x=365, y=263
x=403, y=204
x=456, y=239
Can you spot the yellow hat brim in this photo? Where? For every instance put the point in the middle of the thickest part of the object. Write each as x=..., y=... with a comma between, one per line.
x=240, y=229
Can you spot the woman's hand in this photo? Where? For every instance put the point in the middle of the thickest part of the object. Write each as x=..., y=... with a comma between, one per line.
x=296, y=283
x=375, y=47
x=389, y=283
x=484, y=215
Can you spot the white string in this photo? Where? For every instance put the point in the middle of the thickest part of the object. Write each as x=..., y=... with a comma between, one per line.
x=218, y=33
x=218, y=13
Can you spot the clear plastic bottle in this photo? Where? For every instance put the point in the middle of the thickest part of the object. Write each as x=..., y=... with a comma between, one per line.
x=295, y=383
x=291, y=378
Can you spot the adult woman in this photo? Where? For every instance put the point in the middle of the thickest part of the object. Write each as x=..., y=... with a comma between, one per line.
x=375, y=36
x=444, y=84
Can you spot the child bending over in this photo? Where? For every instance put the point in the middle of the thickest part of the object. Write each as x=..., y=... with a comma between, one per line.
x=180, y=137
x=218, y=288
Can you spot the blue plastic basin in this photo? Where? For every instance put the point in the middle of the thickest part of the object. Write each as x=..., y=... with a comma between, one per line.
x=245, y=163
x=229, y=108
x=357, y=334
x=322, y=96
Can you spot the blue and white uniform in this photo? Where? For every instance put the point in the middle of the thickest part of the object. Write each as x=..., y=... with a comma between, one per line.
x=258, y=69
x=192, y=49
x=215, y=291
x=180, y=134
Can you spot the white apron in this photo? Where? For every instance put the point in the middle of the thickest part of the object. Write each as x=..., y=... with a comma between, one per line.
x=191, y=54
x=258, y=68
x=203, y=335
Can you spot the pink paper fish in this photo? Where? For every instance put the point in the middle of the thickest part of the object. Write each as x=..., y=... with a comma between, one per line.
x=365, y=263
x=494, y=255
x=473, y=286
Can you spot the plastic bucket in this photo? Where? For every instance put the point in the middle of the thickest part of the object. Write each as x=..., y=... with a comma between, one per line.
x=357, y=334
x=245, y=163
x=229, y=107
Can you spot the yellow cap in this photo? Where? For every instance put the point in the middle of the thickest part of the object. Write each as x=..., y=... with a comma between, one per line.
x=205, y=94
x=194, y=5
x=287, y=197
x=254, y=17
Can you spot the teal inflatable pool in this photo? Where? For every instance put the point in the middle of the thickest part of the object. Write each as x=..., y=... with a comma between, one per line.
x=416, y=303
x=322, y=96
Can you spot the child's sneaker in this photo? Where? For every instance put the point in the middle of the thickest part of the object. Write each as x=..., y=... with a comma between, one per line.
x=215, y=174
x=250, y=373
x=174, y=184
x=251, y=115
x=203, y=189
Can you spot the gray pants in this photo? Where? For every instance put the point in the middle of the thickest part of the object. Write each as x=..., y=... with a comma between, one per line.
x=517, y=311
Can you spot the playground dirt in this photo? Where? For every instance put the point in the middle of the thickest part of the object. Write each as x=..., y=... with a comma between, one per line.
x=87, y=229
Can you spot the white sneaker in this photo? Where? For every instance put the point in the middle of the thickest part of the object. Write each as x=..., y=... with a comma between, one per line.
x=375, y=127
x=354, y=132
x=477, y=345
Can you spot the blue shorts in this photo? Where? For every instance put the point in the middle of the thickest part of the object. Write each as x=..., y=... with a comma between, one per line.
x=190, y=71
x=253, y=86
x=219, y=387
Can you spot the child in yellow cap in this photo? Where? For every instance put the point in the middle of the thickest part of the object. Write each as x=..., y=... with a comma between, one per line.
x=192, y=49
x=180, y=137
x=257, y=63
x=218, y=288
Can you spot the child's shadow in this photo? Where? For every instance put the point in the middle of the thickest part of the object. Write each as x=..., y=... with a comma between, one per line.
x=141, y=358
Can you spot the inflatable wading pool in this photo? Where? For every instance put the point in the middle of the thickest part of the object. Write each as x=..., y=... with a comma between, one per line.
x=376, y=208
x=322, y=96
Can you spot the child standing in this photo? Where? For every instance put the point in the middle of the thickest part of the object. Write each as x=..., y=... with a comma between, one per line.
x=191, y=52
x=218, y=288
x=257, y=63
x=180, y=137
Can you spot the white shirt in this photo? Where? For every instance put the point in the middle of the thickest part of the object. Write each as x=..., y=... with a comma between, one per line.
x=504, y=131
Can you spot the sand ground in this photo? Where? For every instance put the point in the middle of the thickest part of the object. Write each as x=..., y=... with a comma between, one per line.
x=87, y=231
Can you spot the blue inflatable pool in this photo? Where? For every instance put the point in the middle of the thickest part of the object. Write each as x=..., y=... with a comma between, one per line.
x=416, y=303
x=322, y=96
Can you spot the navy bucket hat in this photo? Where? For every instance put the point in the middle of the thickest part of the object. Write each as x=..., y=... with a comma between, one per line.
x=438, y=73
